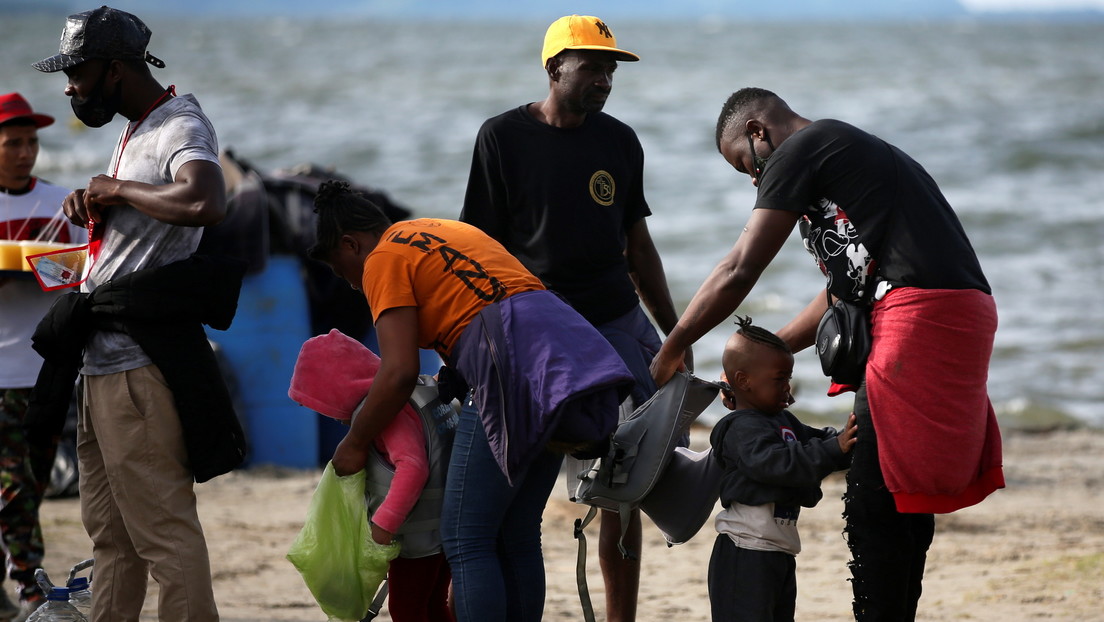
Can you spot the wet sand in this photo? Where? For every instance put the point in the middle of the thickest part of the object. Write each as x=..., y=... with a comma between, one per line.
x=1034, y=550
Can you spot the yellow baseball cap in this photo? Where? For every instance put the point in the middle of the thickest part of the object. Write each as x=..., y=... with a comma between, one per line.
x=581, y=32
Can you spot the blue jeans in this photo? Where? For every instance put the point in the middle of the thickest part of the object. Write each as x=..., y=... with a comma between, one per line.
x=636, y=342
x=491, y=531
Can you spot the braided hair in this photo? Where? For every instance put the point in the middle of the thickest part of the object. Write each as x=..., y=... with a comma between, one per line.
x=760, y=335
x=340, y=210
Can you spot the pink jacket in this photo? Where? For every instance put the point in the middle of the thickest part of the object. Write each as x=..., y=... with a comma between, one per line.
x=332, y=375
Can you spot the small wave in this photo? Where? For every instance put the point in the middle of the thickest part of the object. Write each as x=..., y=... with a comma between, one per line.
x=1027, y=415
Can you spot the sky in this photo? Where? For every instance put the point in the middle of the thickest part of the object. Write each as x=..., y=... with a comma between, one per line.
x=1031, y=5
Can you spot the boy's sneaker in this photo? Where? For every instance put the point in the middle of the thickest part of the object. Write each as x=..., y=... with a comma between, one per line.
x=8, y=609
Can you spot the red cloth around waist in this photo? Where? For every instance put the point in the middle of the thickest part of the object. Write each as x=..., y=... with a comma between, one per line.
x=939, y=444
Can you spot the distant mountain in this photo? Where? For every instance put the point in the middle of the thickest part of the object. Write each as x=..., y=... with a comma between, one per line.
x=19, y=7
x=517, y=9
x=740, y=10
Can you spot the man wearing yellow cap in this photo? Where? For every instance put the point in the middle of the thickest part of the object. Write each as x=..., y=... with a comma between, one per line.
x=560, y=184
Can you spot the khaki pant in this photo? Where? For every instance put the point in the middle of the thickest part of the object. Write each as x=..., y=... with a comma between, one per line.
x=137, y=502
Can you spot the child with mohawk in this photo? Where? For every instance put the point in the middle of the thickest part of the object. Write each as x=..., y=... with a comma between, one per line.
x=773, y=465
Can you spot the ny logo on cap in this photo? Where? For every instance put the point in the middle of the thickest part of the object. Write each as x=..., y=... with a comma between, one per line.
x=603, y=29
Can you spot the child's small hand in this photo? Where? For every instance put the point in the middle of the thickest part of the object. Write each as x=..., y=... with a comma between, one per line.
x=381, y=535
x=728, y=398
x=847, y=438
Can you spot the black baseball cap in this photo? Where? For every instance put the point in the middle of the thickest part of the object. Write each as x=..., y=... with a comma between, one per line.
x=100, y=33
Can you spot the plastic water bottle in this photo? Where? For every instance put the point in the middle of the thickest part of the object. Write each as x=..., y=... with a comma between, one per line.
x=57, y=608
x=80, y=595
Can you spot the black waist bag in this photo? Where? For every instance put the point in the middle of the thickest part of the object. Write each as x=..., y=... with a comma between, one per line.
x=843, y=342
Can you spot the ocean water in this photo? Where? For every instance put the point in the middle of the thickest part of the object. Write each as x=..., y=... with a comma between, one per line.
x=1006, y=116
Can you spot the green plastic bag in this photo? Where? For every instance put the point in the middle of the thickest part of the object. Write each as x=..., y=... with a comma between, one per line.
x=334, y=552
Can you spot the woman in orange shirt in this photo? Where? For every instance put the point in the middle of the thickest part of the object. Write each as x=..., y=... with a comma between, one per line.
x=539, y=375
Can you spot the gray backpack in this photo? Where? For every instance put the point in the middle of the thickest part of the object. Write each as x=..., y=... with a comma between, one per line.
x=685, y=496
x=640, y=449
x=420, y=534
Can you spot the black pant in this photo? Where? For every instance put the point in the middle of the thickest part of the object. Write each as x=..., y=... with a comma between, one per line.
x=751, y=586
x=888, y=548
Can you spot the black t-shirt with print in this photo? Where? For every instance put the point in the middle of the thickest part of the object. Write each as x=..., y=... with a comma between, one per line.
x=562, y=201
x=868, y=207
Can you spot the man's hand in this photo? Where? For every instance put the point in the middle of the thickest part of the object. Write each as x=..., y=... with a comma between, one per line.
x=665, y=364
x=78, y=210
x=103, y=190
x=88, y=204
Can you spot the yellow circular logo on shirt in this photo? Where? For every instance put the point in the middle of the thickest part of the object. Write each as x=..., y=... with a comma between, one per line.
x=602, y=188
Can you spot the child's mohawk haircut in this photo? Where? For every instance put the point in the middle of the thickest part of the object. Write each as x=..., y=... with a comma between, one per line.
x=759, y=334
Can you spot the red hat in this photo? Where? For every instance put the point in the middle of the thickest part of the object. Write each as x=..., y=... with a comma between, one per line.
x=13, y=106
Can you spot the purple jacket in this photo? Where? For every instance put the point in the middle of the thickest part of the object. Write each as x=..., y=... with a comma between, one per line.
x=539, y=371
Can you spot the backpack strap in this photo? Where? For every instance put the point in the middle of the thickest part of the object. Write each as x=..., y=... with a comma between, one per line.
x=377, y=603
x=624, y=511
x=580, y=564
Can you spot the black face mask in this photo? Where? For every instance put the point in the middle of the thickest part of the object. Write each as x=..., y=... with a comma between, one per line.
x=94, y=110
x=759, y=161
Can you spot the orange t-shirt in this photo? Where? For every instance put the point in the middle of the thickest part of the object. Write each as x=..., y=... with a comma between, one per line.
x=449, y=270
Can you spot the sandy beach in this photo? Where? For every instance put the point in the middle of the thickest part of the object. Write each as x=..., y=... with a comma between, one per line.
x=1034, y=550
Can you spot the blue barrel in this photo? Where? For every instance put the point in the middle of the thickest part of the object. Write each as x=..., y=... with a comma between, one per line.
x=272, y=322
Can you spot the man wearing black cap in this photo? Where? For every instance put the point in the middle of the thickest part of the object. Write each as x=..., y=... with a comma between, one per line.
x=30, y=209
x=163, y=185
x=561, y=185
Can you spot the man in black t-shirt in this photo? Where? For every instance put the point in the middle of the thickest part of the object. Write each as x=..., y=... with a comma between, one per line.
x=560, y=184
x=884, y=236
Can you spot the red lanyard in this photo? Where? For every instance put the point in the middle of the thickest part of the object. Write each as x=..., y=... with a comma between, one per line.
x=134, y=126
x=95, y=234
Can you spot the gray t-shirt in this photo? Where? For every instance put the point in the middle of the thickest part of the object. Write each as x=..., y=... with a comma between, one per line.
x=176, y=132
